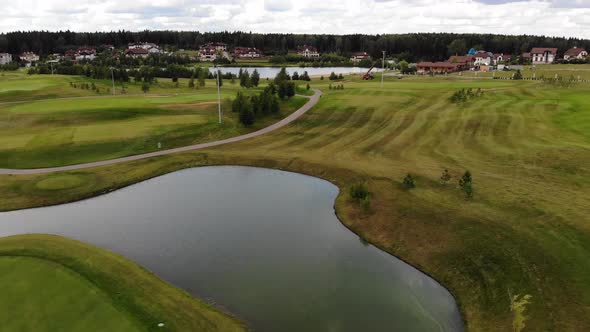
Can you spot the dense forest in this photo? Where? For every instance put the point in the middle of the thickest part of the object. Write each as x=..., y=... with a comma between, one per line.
x=411, y=47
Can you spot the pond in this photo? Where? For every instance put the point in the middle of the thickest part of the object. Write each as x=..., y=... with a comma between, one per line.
x=271, y=72
x=264, y=244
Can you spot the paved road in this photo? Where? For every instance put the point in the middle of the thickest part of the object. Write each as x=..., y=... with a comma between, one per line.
x=292, y=117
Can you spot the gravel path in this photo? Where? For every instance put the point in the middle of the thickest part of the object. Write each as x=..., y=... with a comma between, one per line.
x=292, y=117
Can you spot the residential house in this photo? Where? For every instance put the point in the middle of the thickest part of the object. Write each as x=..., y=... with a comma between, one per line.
x=85, y=53
x=482, y=58
x=5, y=58
x=437, y=67
x=29, y=57
x=543, y=55
x=359, y=56
x=308, y=51
x=575, y=53
x=501, y=58
x=150, y=47
x=137, y=52
x=247, y=52
x=464, y=62
x=208, y=54
x=217, y=46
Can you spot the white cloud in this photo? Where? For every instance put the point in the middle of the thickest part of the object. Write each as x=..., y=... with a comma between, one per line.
x=548, y=17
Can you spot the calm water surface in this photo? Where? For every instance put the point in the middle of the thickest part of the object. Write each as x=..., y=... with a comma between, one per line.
x=271, y=72
x=264, y=244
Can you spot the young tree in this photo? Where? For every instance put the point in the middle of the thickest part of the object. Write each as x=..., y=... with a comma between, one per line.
x=305, y=77
x=247, y=116
x=286, y=90
x=191, y=82
x=445, y=177
x=295, y=76
x=517, y=75
x=333, y=76
x=203, y=73
x=322, y=78
x=282, y=76
x=404, y=67
x=255, y=78
x=307, y=87
x=408, y=182
x=245, y=80
x=145, y=87
x=466, y=184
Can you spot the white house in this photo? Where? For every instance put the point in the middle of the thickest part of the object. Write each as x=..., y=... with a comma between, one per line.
x=482, y=58
x=358, y=56
x=543, y=55
x=5, y=58
x=217, y=46
x=308, y=51
x=150, y=47
x=85, y=53
x=247, y=52
x=575, y=53
x=207, y=54
x=29, y=57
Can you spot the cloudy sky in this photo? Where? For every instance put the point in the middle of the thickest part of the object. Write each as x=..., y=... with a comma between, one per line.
x=569, y=18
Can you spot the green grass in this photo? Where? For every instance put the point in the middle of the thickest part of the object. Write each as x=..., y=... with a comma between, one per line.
x=66, y=131
x=50, y=283
x=526, y=231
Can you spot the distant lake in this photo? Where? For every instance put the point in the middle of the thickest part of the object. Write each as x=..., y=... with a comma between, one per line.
x=264, y=244
x=271, y=72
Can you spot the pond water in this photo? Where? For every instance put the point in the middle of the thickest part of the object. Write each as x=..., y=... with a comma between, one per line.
x=271, y=72
x=264, y=244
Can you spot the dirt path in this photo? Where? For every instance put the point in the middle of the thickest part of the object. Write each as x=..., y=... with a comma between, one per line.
x=292, y=117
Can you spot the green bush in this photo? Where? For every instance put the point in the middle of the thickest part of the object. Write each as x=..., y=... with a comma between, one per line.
x=359, y=191
x=408, y=182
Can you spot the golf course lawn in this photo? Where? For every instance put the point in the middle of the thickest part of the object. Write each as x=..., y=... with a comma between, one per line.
x=50, y=283
x=526, y=231
x=70, y=131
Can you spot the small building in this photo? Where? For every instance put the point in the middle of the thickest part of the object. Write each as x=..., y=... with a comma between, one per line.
x=137, y=52
x=208, y=54
x=464, y=62
x=150, y=47
x=5, y=58
x=437, y=67
x=501, y=58
x=575, y=53
x=543, y=55
x=29, y=57
x=359, y=56
x=247, y=52
x=217, y=46
x=85, y=53
x=482, y=58
x=308, y=51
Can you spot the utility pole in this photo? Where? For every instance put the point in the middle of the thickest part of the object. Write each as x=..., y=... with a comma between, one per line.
x=218, y=95
x=113, y=79
x=382, y=69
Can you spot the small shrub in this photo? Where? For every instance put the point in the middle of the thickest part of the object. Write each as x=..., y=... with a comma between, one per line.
x=466, y=184
x=408, y=182
x=445, y=177
x=359, y=191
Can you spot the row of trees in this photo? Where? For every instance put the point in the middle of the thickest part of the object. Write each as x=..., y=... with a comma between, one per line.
x=410, y=47
x=249, y=108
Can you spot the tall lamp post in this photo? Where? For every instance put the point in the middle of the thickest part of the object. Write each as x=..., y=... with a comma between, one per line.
x=113, y=79
x=218, y=94
x=382, y=69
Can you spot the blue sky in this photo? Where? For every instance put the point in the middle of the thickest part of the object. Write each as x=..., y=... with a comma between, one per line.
x=570, y=18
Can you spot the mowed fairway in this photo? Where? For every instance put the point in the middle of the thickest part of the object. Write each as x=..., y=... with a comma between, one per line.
x=525, y=232
x=67, y=131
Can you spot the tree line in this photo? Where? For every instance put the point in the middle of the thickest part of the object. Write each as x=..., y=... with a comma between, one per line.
x=410, y=47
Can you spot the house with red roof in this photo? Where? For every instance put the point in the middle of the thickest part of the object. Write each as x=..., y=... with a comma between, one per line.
x=465, y=62
x=543, y=55
x=437, y=67
x=137, y=52
x=359, y=56
x=575, y=53
x=247, y=53
x=483, y=58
